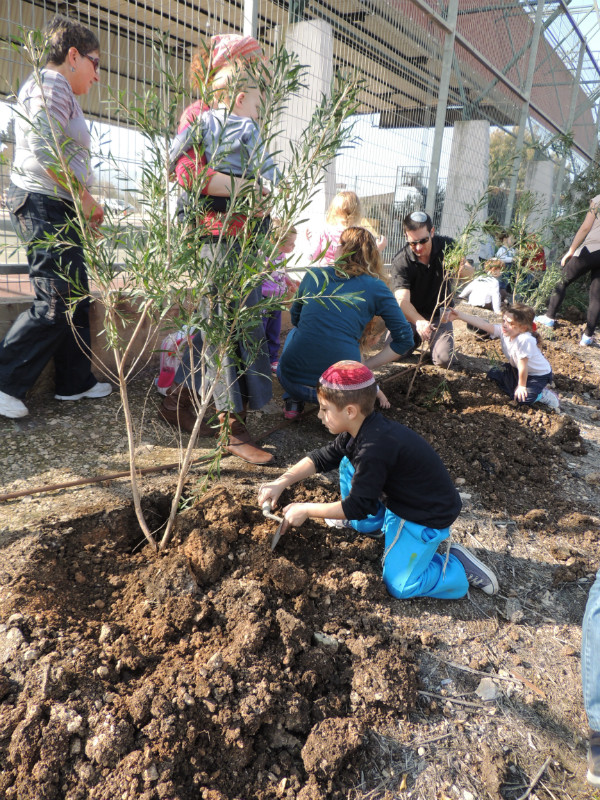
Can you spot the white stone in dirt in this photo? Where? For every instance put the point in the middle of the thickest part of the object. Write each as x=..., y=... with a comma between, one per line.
x=105, y=634
x=514, y=610
x=30, y=656
x=110, y=741
x=10, y=641
x=65, y=717
x=150, y=773
x=215, y=662
x=487, y=690
x=323, y=639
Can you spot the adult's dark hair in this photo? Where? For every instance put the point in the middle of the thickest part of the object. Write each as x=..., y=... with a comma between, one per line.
x=63, y=33
x=340, y=398
x=416, y=220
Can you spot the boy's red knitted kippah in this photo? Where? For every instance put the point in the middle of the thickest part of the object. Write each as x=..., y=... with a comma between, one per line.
x=347, y=375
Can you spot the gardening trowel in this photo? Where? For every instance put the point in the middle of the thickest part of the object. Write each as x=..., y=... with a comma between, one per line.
x=266, y=510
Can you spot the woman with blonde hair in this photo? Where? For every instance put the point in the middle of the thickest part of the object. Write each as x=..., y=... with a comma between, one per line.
x=344, y=212
x=334, y=305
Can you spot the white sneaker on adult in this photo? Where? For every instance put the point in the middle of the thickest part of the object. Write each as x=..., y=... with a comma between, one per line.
x=12, y=407
x=586, y=341
x=545, y=320
x=97, y=390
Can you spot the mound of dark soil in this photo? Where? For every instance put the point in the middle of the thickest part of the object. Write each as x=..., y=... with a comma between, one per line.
x=225, y=671
x=220, y=670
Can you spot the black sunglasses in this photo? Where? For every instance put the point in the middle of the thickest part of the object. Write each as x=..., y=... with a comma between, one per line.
x=95, y=61
x=418, y=241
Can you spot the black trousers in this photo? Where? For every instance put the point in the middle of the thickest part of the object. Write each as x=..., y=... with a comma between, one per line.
x=575, y=268
x=51, y=327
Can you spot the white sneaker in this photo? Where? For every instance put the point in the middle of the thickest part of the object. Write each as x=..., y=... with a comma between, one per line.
x=548, y=398
x=97, y=390
x=12, y=407
x=586, y=341
x=337, y=523
x=544, y=320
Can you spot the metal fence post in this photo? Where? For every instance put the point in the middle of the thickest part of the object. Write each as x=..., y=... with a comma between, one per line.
x=535, y=40
x=440, y=114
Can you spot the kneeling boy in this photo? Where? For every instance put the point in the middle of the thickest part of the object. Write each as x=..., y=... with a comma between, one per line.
x=380, y=458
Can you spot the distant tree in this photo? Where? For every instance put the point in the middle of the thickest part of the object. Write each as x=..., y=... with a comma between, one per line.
x=503, y=154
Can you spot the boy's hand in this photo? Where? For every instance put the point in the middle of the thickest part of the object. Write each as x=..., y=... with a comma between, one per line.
x=295, y=514
x=269, y=492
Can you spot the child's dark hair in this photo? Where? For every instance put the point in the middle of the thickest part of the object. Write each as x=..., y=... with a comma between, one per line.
x=523, y=315
x=63, y=33
x=340, y=398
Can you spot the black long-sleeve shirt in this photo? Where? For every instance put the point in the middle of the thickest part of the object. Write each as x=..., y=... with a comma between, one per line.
x=396, y=466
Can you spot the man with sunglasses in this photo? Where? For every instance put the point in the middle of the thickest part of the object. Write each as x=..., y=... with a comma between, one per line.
x=423, y=288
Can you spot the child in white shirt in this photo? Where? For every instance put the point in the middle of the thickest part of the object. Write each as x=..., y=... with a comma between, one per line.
x=527, y=374
x=484, y=291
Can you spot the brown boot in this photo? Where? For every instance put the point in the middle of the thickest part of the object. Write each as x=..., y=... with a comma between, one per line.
x=240, y=443
x=177, y=409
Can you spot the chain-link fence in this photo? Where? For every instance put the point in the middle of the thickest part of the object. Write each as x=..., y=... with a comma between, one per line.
x=457, y=96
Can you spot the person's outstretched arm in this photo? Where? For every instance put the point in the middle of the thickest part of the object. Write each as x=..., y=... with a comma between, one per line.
x=384, y=356
x=479, y=322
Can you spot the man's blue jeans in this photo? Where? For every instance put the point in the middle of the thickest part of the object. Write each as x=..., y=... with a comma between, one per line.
x=52, y=327
x=590, y=656
x=412, y=567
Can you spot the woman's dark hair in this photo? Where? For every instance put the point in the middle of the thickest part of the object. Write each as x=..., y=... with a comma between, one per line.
x=63, y=33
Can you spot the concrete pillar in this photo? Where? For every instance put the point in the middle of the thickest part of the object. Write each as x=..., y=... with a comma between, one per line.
x=467, y=176
x=312, y=42
x=442, y=105
x=539, y=180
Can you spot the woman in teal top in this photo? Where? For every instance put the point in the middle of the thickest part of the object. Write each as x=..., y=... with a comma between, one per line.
x=327, y=329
